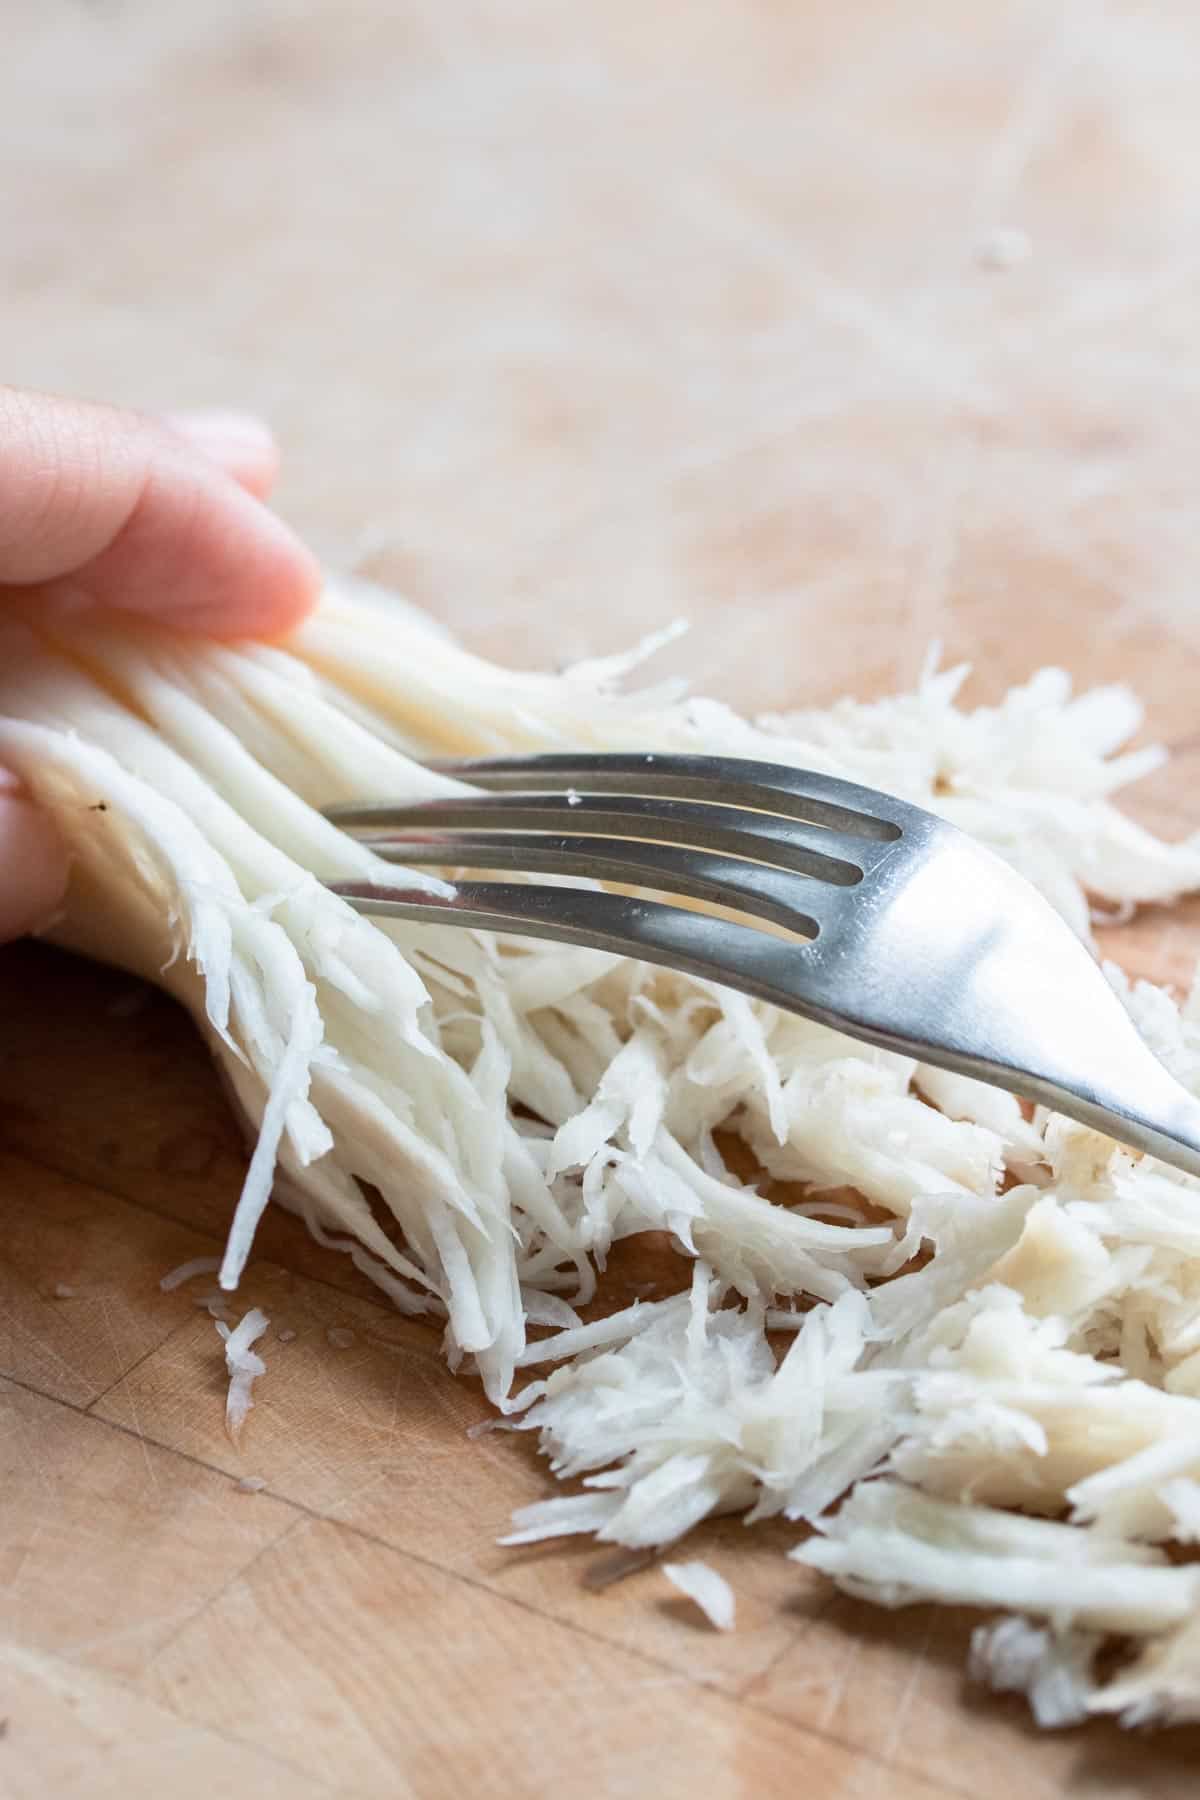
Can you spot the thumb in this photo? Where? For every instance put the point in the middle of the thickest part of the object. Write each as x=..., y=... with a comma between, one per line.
x=33, y=865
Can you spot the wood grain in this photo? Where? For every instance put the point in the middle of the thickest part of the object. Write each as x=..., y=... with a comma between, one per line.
x=354, y=1614
x=572, y=320
x=70, y=1731
x=355, y=1617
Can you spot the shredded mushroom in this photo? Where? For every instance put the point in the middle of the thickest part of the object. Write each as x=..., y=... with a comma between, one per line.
x=706, y=1589
x=1015, y=1332
x=244, y=1366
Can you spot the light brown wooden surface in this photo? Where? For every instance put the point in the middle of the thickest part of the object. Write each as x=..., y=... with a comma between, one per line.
x=352, y=1628
x=571, y=319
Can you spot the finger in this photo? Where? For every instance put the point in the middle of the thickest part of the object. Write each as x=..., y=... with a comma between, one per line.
x=237, y=442
x=121, y=509
x=33, y=867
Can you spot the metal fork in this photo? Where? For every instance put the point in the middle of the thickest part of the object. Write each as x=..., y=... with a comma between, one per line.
x=899, y=929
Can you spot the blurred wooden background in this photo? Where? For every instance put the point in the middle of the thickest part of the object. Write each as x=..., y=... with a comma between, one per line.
x=839, y=330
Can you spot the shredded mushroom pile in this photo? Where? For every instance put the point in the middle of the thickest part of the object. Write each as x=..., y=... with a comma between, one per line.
x=994, y=1366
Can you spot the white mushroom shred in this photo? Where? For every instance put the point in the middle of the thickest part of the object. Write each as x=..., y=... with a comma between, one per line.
x=244, y=1366
x=896, y=1546
x=957, y=1345
x=1053, y=1669
x=199, y=1265
x=710, y=1591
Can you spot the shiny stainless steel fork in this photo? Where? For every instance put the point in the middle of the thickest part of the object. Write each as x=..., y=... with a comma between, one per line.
x=900, y=930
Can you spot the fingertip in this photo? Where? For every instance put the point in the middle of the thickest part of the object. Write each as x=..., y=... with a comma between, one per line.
x=201, y=554
x=146, y=517
x=34, y=863
x=271, y=597
x=278, y=580
x=259, y=580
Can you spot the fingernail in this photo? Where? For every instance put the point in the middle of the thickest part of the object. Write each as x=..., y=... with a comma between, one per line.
x=224, y=435
x=236, y=442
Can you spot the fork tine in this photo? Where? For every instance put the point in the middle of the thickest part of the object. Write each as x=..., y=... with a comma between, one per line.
x=792, y=793
x=751, y=888
x=730, y=831
x=945, y=953
x=736, y=956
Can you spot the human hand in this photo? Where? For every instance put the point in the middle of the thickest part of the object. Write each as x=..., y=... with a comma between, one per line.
x=157, y=518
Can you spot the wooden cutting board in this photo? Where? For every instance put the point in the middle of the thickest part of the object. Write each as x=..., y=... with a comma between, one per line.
x=838, y=330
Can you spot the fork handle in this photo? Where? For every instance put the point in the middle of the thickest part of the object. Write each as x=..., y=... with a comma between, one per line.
x=1155, y=1113
x=1132, y=1097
